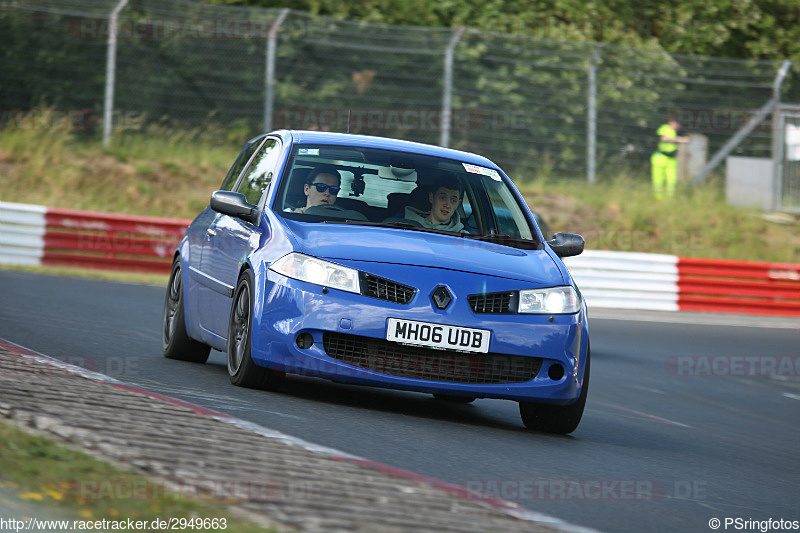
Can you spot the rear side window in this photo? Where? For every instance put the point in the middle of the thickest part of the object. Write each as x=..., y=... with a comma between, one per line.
x=239, y=164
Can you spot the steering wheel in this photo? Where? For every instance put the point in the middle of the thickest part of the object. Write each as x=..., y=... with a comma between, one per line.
x=335, y=211
x=324, y=209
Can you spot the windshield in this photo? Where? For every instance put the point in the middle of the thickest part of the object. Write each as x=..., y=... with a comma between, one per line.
x=342, y=184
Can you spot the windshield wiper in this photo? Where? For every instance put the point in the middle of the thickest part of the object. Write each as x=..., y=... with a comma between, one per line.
x=370, y=223
x=508, y=240
x=397, y=224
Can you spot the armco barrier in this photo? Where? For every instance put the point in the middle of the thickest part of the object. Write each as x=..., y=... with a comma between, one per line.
x=36, y=235
x=626, y=279
x=22, y=231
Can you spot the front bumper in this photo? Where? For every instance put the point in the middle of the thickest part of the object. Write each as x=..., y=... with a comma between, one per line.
x=286, y=309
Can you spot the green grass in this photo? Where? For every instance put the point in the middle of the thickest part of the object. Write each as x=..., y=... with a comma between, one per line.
x=44, y=480
x=621, y=214
x=170, y=173
x=170, y=176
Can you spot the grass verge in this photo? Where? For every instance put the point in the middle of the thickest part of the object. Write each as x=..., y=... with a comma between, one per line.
x=93, y=273
x=47, y=481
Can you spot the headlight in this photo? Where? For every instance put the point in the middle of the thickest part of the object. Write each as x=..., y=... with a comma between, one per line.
x=555, y=300
x=317, y=271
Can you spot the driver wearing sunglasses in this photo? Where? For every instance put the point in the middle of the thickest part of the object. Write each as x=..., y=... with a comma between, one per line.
x=321, y=188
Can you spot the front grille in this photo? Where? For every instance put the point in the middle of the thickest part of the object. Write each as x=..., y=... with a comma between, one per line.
x=496, y=303
x=417, y=362
x=384, y=289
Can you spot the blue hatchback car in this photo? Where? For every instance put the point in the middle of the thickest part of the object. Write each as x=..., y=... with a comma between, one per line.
x=381, y=262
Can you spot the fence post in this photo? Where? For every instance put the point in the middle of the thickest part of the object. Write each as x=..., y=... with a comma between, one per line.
x=754, y=121
x=269, y=75
x=111, y=71
x=444, y=139
x=591, y=119
x=778, y=156
x=778, y=141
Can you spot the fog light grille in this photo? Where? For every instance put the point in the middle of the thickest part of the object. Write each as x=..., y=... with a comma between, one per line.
x=395, y=359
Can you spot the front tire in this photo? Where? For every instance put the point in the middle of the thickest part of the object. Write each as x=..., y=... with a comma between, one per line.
x=558, y=419
x=241, y=368
x=175, y=342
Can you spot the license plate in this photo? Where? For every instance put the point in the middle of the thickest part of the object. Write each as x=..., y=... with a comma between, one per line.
x=438, y=335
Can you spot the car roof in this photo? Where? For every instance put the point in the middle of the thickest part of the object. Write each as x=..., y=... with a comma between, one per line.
x=385, y=143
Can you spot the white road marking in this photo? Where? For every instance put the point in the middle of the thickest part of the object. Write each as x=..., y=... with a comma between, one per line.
x=645, y=415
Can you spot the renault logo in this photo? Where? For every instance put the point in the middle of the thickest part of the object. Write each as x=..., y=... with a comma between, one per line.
x=441, y=297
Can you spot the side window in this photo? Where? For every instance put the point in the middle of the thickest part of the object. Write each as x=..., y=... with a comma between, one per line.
x=238, y=166
x=259, y=174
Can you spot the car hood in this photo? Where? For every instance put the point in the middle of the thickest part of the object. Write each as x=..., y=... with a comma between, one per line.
x=348, y=243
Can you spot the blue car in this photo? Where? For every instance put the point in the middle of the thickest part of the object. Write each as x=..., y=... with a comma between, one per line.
x=381, y=262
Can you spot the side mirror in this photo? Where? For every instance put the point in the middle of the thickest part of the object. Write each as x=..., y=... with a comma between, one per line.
x=234, y=204
x=567, y=244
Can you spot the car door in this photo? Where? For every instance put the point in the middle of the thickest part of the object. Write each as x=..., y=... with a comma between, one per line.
x=231, y=240
x=199, y=238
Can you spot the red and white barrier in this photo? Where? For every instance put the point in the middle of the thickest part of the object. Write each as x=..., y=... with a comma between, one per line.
x=22, y=229
x=36, y=235
x=672, y=283
x=739, y=287
x=626, y=280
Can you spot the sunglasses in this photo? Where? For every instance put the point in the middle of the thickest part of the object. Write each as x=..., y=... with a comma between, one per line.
x=322, y=187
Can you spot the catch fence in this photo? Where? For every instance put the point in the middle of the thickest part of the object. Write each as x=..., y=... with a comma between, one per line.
x=539, y=106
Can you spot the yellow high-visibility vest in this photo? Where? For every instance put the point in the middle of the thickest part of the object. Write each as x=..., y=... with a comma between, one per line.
x=670, y=149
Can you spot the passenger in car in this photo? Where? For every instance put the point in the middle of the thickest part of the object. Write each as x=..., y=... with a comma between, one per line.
x=444, y=199
x=321, y=187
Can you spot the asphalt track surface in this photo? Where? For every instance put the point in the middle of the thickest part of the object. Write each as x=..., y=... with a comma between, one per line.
x=680, y=427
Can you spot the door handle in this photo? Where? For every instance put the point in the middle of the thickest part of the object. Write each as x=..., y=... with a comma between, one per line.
x=211, y=232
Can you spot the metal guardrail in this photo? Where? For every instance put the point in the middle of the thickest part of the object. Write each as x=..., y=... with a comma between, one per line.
x=22, y=229
x=626, y=279
x=37, y=235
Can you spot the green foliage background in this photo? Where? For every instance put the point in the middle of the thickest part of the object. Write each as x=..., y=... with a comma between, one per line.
x=520, y=73
x=743, y=29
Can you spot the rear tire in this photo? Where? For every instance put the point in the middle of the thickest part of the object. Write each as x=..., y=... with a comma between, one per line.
x=175, y=342
x=558, y=419
x=241, y=368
